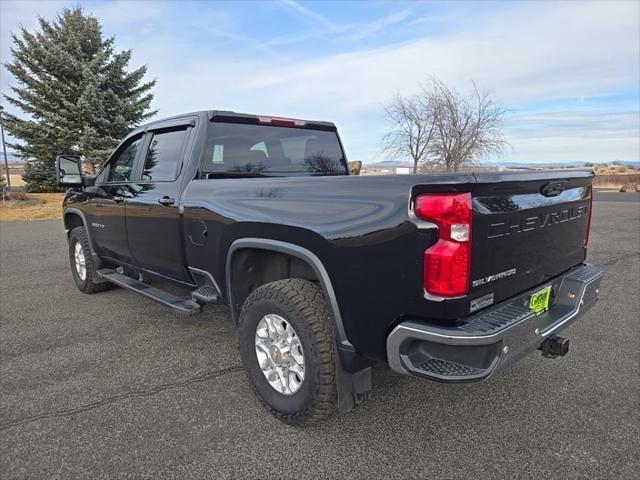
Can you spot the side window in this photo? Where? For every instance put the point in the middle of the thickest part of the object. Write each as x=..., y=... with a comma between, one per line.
x=120, y=169
x=163, y=156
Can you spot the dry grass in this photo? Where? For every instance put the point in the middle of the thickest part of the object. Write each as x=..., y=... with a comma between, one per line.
x=40, y=206
x=15, y=174
x=616, y=176
x=614, y=170
x=16, y=179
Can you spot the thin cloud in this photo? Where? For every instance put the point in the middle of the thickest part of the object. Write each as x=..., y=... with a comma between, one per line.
x=589, y=136
x=528, y=56
x=310, y=14
x=341, y=32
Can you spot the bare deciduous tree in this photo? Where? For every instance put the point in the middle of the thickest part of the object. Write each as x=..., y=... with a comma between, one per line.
x=444, y=128
x=467, y=128
x=412, y=131
x=318, y=162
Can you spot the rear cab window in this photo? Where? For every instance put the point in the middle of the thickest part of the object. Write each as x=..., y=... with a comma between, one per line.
x=163, y=157
x=236, y=149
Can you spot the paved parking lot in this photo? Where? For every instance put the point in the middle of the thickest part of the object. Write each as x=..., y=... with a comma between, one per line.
x=115, y=386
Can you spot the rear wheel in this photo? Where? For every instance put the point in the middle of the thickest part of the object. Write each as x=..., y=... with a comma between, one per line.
x=82, y=266
x=288, y=350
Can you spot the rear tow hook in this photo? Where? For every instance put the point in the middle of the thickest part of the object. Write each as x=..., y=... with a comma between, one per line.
x=554, y=346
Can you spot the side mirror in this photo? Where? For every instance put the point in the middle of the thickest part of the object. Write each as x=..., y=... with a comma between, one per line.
x=355, y=167
x=69, y=171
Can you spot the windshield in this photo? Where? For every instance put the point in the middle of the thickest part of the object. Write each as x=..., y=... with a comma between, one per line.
x=237, y=149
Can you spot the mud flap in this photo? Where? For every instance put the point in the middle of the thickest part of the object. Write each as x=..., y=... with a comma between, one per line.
x=353, y=387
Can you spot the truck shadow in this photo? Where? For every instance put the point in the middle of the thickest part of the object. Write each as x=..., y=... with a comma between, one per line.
x=407, y=407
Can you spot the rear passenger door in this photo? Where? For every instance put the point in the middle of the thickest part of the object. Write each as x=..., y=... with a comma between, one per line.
x=154, y=224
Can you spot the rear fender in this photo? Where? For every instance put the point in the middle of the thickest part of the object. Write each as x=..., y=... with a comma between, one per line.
x=353, y=381
x=303, y=254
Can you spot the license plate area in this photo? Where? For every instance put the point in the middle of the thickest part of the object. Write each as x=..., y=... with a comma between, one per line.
x=539, y=301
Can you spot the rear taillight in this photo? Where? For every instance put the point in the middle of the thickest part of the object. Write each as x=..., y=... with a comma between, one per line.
x=586, y=238
x=447, y=263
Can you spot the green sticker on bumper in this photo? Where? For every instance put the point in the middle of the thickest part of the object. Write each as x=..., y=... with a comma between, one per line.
x=539, y=301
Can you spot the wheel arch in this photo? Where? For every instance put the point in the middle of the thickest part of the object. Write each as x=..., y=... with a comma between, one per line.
x=308, y=258
x=73, y=218
x=353, y=373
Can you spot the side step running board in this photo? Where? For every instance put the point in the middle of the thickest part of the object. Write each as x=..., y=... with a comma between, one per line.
x=205, y=294
x=168, y=299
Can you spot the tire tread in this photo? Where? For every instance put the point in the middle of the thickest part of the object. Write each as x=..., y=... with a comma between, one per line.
x=90, y=284
x=307, y=299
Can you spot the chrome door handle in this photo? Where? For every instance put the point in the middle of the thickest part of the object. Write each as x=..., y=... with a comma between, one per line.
x=166, y=201
x=118, y=199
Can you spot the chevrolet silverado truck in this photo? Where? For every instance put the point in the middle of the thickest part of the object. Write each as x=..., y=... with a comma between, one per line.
x=447, y=277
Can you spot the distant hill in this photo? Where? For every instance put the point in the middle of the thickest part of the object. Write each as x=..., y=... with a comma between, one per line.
x=12, y=158
x=626, y=163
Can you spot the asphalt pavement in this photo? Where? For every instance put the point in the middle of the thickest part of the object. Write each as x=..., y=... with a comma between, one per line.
x=606, y=195
x=113, y=385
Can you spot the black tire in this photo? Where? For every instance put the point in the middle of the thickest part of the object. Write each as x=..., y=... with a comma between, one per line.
x=91, y=283
x=302, y=304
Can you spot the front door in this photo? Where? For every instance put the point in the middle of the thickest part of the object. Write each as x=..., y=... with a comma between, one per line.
x=154, y=224
x=107, y=198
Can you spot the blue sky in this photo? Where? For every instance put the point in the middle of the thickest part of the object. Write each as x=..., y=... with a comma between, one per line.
x=569, y=72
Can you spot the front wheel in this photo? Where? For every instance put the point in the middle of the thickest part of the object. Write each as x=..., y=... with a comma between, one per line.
x=288, y=350
x=82, y=266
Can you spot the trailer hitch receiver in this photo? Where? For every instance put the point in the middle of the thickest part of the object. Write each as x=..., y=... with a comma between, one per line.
x=554, y=346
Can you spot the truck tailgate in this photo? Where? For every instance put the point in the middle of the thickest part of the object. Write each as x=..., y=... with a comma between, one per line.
x=527, y=229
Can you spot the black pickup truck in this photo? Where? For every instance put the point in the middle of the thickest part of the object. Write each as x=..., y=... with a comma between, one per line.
x=449, y=277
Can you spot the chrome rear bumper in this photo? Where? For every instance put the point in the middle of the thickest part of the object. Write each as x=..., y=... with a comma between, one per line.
x=494, y=338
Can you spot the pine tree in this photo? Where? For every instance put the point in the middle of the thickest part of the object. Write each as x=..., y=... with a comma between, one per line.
x=39, y=177
x=75, y=90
